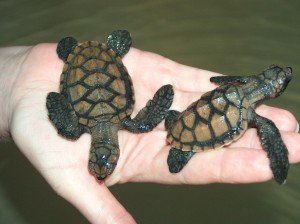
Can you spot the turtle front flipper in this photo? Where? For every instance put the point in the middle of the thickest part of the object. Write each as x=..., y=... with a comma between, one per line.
x=153, y=113
x=274, y=146
x=230, y=79
x=65, y=47
x=177, y=159
x=120, y=41
x=63, y=116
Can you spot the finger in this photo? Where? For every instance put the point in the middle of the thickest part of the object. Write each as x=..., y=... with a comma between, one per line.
x=161, y=70
x=236, y=165
x=226, y=165
x=230, y=164
x=96, y=202
x=292, y=143
x=240, y=162
x=283, y=119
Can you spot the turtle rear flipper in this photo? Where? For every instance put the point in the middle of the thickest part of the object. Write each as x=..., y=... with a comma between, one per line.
x=170, y=118
x=65, y=47
x=153, y=113
x=177, y=159
x=63, y=116
x=120, y=41
x=274, y=146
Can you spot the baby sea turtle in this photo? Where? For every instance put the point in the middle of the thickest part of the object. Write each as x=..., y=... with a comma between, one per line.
x=223, y=115
x=96, y=96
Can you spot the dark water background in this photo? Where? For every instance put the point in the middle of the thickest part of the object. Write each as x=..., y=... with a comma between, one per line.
x=229, y=37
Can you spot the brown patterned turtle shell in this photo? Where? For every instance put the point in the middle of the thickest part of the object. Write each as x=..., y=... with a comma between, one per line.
x=97, y=84
x=218, y=118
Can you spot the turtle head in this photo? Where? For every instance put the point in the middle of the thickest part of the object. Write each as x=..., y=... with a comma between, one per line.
x=104, y=153
x=276, y=79
x=100, y=164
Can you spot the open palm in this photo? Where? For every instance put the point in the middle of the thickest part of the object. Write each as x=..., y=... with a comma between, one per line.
x=63, y=163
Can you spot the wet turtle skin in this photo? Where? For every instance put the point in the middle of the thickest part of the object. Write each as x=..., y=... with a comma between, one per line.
x=223, y=115
x=96, y=96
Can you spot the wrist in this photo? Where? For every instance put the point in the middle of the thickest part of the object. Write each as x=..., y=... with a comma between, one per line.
x=26, y=75
x=11, y=62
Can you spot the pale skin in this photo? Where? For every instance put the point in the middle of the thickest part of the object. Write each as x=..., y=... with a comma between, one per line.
x=29, y=73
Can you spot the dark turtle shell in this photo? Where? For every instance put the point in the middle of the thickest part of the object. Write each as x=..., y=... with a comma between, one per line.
x=218, y=118
x=97, y=85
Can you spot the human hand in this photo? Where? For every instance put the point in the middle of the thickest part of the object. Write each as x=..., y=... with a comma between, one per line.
x=63, y=163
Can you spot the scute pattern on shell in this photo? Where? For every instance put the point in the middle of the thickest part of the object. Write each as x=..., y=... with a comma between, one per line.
x=218, y=118
x=97, y=84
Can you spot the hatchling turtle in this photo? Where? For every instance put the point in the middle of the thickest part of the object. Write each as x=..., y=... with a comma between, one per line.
x=96, y=96
x=222, y=115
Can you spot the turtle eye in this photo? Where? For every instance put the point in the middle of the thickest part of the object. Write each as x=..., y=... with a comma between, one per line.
x=290, y=69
